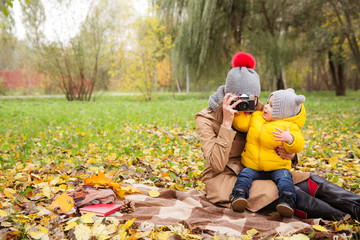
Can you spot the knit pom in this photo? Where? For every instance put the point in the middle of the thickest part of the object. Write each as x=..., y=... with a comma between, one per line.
x=291, y=90
x=300, y=99
x=242, y=59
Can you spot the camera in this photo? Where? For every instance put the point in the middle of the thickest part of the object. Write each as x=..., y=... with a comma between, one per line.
x=246, y=105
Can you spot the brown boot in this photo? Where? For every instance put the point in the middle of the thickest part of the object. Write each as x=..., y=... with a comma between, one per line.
x=238, y=200
x=286, y=205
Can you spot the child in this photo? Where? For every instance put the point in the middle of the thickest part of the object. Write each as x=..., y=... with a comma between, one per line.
x=278, y=124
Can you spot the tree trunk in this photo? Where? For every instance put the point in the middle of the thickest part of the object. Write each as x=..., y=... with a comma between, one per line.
x=357, y=83
x=238, y=21
x=337, y=75
x=178, y=85
x=280, y=79
x=348, y=29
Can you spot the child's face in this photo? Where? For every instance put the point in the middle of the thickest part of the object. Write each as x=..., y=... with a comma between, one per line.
x=268, y=108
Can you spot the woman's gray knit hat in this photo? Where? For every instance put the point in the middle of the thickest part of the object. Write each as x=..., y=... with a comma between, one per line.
x=286, y=103
x=243, y=80
x=240, y=80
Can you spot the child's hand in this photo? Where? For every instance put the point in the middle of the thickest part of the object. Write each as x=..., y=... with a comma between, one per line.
x=284, y=136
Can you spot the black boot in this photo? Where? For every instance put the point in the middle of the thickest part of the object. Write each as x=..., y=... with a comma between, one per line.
x=308, y=206
x=238, y=200
x=334, y=195
x=286, y=205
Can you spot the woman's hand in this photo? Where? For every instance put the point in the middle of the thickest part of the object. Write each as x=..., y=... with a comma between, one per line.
x=280, y=150
x=228, y=111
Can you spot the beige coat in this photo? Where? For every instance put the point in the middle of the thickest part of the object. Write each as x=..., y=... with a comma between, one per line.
x=222, y=149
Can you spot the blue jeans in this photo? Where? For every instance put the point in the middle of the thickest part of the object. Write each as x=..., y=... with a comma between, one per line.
x=281, y=177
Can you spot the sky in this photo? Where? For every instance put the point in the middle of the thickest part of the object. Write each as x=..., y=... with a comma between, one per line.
x=62, y=24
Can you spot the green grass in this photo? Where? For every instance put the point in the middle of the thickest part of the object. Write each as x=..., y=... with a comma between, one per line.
x=113, y=128
x=54, y=144
x=38, y=129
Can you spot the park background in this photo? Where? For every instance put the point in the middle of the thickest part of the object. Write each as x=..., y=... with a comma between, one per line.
x=115, y=88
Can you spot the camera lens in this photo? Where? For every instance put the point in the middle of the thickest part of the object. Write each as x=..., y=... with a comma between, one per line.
x=244, y=105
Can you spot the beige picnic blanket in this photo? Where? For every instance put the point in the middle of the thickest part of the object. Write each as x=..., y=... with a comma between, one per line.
x=192, y=210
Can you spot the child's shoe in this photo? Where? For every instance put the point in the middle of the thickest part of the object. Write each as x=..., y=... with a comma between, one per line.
x=286, y=205
x=238, y=200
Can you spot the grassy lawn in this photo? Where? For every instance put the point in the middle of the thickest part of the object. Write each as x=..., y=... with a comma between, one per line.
x=114, y=131
x=49, y=145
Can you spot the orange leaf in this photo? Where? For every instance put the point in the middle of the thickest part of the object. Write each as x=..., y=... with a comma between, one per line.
x=99, y=180
x=102, y=181
x=118, y=190
x=165, y=174
x=64, y=202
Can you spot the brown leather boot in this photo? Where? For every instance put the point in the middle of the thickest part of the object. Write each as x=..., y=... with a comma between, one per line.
x=238, y=200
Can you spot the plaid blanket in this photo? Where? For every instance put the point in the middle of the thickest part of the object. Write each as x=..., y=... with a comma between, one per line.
x=192, y=210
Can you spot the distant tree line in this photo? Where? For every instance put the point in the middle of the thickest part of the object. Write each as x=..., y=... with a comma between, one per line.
x=187, y=45
x=307, y=44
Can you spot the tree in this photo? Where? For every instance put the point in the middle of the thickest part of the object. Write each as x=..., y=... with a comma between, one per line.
x=347, y=13
x=206, y=33
x=34, y=19
x=163, y=70
x=210, y=32
x=277, y=33
x=8, y=41
x=78, y=65
x=151, y=44
x=325, y=40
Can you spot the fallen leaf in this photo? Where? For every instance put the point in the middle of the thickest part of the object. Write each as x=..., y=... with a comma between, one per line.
x=128, y=224
x=88, y=218
x=319, y=228
x=153, y=193
x=3, y=213
x=299, y=236
x=252, y=232
x=82, y=232
x=64, y=202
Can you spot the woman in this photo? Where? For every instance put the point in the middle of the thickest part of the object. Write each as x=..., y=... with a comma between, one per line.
x=222, y=148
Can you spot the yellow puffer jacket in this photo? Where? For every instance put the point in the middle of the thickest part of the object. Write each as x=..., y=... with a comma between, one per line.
x=259, y=153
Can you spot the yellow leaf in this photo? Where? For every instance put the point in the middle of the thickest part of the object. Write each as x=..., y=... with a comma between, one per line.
x=340, y=184
x=82, y=232
x=38, y=233
x=252, y=232
x=70, y=226
x=122, y=235
x=47, y=191
x=319, y=228
x=8, y=194
x=343, y=227
x=88, y=218
x=3, y=213
x=43, y=230
x=246, y=237
x=160, y=235
x=299, y=236
x=6, y=224
x=333, y=161
x=154, y=193
x=126, y=225
x=64, y=202
x=99, y=231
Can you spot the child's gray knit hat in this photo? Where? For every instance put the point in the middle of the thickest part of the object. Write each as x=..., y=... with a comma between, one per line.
x=286, y=103
x=243, y=80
